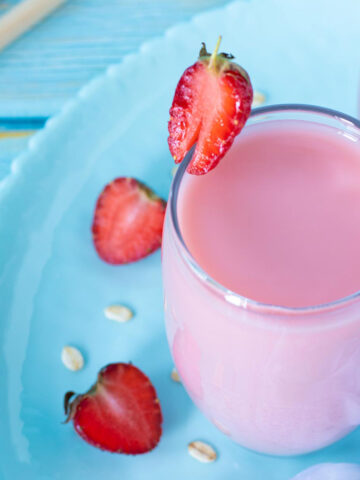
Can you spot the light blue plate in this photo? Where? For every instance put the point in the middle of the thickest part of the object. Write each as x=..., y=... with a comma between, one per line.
x=53, y=286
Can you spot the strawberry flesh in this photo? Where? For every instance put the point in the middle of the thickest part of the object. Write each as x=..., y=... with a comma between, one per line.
x=121, y=412
x=128, y=221
x=211, y=104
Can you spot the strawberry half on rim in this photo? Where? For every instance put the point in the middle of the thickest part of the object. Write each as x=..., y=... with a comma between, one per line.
x=211, y=104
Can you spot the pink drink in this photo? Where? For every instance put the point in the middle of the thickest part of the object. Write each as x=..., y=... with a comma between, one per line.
x=277, y=222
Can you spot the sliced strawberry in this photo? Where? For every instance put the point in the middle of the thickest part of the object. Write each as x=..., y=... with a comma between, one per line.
x=128, y=221
x=211, y=105
x=120, y=413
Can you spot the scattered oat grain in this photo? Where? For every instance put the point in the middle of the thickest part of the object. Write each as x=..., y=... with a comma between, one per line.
x=118, y=313
x=175, y=376
x=72, y=358
x=202, y=452
x=258, y=99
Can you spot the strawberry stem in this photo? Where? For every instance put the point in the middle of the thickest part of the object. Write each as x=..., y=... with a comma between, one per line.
x=69, y=411
x=212, y=63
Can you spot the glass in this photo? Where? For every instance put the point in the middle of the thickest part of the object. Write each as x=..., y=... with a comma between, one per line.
x=278, y=380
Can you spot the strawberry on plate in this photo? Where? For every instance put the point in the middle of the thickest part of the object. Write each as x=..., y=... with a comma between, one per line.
x=211, y=105
x=120, y=413
x=128, y=221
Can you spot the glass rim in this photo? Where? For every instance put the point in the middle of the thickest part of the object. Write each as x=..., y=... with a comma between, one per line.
x=229, y=295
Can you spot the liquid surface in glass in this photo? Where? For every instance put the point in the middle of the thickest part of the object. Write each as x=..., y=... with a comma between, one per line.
x=278, y=220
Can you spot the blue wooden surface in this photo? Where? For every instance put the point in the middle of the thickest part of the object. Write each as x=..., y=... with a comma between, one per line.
x=48, y=65
x=44, y=68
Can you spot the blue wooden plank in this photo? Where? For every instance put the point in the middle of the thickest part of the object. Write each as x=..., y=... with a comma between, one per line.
x=12, y=124
x=48, y=65
x=14, y=136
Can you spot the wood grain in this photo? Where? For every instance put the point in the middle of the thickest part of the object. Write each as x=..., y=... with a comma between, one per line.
x=45, y=67
x=19, y=19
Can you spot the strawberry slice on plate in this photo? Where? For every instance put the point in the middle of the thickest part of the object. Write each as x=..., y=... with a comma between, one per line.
x=128, y=221
x=120, y=413
x=211, y=104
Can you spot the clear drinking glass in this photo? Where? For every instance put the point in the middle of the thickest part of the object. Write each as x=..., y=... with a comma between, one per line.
x=278, y=380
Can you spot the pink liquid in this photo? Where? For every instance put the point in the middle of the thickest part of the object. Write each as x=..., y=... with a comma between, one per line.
x=278, y=221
